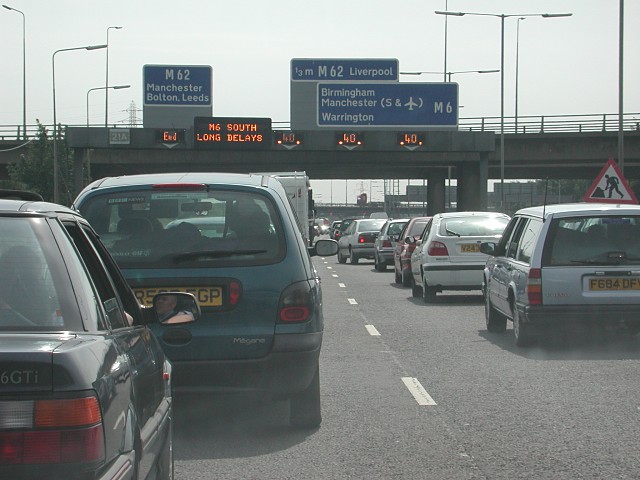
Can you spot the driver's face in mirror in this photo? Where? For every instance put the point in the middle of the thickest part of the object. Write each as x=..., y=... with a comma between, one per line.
x=169, y=312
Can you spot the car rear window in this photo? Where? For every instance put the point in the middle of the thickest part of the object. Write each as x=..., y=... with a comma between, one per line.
x=395, y=228
x=33, y=279
x=473, y=226
x=417, y=228
x=596, y=240
x=370, y=225
x=183, y=228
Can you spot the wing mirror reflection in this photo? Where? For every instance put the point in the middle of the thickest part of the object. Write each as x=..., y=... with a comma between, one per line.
x=176, y=308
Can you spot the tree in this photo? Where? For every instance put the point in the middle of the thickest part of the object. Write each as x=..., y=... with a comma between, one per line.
x=34, y=170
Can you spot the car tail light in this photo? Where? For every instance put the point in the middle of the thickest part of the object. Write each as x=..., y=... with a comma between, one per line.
x=235, y=292
x=296, y=303
x=534, y=286
x=362, y=239
x=437, y=249
x=387, y=243
x=52, y=431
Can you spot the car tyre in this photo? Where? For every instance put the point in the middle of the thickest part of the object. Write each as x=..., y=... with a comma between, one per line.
x=353, y=259
x=304, y=407
x=341, y=259
x=165, y=462
x=496, y=322
x=380, y=266
x=406, y=278
x=521, y=331
x=428, y=293
x=416, y=290
x=398, y=276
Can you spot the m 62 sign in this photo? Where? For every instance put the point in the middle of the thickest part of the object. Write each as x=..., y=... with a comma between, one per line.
x=184, y=85
x=387, y=105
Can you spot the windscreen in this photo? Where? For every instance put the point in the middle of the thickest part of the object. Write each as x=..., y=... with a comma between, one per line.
x=164, y=228
x=473, y=226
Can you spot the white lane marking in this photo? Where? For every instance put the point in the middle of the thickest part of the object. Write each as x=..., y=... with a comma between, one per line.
x=352, y=301
x=373, y=331
x=342, y=285
x=334, y=275
x=329, y=268
x=418, y=392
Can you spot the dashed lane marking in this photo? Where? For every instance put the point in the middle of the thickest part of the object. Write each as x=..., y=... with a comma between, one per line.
x=418, y=391
x=373, y=331
x=352, y=301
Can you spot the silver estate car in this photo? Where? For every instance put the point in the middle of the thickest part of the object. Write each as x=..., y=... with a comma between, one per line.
x=564, y=266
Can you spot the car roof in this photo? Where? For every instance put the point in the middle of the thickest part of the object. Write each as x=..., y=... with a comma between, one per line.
x=249, y=179
x=470, y=214
x=567, y=209
x=25, y=206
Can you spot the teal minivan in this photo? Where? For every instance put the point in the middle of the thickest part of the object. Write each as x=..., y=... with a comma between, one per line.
x=231, y=240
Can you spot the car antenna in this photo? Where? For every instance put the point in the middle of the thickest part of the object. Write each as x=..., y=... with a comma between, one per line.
x=544, y=203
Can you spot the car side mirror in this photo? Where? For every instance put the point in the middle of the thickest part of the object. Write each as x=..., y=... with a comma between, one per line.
x=488, y=248
x=175, y=308
x=323, y=247
x=410, y=240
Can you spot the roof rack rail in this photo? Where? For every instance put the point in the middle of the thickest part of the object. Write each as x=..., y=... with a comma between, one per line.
x=20, y=195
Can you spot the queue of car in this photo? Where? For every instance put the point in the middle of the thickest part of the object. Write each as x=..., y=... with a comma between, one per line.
x=550, y=268
x=148, y=287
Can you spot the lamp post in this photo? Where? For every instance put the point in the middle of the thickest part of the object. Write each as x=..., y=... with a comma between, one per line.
x=620, y=88
x=106, y=82
x=24, y=71
x=56, y=194
x=517, y=54
x=502, y=17
x=114, y=87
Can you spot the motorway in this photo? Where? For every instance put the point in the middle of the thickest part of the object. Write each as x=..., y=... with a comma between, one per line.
x=478, y=407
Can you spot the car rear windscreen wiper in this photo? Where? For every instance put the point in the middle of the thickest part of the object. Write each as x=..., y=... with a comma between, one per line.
x=607, y=258
x=451, y=232
x=213, y=254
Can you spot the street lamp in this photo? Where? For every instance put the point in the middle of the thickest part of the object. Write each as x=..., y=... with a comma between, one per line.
x=448, y=74
x=106, y=82
x=24, y=71
x=502, y=17
x=114, y=87
x=56, y=195
x=517, y=62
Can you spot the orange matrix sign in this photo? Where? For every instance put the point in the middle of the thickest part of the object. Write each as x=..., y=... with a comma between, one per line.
x=232, y=133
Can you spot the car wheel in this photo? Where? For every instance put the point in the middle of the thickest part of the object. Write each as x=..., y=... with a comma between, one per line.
x=416, y=290
x=428, y=293
x=380, y=267
x=353, y=258
x=398, y=276
x=165, y=462
x=521, y=331
x=406, y=278
x=304, y=408
x=341, y=259
x=496, y=322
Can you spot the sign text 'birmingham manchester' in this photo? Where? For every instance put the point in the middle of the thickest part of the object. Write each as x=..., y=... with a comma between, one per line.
x=387, y=104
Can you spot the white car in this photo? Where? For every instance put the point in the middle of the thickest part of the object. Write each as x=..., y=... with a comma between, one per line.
x=447, y=256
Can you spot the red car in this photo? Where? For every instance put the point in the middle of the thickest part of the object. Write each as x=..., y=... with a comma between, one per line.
x=402, y=253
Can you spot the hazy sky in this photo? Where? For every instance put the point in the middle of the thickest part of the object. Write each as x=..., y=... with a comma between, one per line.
x=566, y=65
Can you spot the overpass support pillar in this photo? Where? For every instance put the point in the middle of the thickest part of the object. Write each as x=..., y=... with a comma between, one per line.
x=435, y=191
x=472, y=185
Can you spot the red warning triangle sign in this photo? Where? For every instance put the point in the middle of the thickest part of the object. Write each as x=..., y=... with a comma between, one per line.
x=610, y=186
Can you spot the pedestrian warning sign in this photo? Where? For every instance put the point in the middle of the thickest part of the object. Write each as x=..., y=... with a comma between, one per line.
x=610, y=186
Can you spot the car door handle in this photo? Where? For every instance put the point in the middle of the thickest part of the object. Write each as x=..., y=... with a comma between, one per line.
x=177, y=336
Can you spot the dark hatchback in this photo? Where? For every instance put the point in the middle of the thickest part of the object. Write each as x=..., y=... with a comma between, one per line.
x=85, y=388
x=233, y=241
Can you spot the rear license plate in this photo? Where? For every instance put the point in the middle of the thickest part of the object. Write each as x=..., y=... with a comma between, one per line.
x=470, y=247
x=614, y=283
x=206, y=296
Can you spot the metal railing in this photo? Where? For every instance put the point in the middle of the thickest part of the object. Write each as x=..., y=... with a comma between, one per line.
x=526, y=124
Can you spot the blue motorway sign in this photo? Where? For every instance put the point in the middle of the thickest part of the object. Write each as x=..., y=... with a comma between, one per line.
x=183, y=85
x=344, y=70
x=387, y=105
